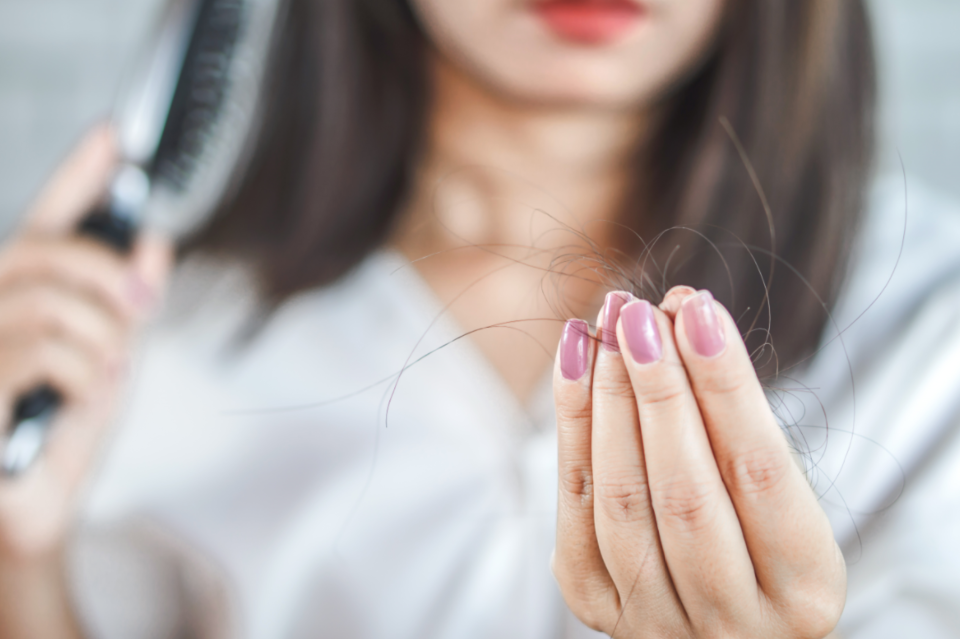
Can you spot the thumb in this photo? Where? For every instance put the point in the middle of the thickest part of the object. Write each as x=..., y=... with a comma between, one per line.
x=151, y=261
x=77, y=185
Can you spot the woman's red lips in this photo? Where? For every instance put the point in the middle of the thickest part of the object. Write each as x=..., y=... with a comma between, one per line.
x=589, y=21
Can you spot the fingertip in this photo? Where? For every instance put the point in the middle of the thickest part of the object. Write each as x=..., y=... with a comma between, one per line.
x=96, y=155
x=640, y=330
x=77, y=185
x=103, y=136
x=609, y=316
x=703, y=325
x=710, y=344
x=574, y=350
x=674, y=298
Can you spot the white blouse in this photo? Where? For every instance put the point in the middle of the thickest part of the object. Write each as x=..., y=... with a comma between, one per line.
x=294, y=486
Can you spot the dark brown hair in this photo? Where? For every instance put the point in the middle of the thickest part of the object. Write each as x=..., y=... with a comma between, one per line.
x=345, y=120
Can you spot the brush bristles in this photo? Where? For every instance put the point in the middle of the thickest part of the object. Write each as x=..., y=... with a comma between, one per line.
x=201, y=92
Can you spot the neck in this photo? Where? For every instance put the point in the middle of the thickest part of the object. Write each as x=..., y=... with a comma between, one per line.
x=497, y=171
x=506, y=195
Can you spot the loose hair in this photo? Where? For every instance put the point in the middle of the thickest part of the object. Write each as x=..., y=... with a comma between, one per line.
x=345, y=121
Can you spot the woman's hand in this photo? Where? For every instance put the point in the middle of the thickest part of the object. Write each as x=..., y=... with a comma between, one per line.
x=681, y=510
x=68, y=309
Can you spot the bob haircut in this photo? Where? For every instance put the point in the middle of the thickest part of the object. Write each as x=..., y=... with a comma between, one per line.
x=792, y=81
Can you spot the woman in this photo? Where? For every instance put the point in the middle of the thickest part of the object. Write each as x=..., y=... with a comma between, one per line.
x=425, y=172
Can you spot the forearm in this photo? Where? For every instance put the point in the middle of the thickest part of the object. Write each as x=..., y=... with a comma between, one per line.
x=35, y=601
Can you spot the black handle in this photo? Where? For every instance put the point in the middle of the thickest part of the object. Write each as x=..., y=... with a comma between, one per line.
x=113, y=229
x=34, y=411
x=32, y=416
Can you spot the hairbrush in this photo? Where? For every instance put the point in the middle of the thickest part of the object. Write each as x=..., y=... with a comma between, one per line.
x=184, y=124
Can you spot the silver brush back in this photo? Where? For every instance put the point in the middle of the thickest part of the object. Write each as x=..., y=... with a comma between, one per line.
x=185, y=123
x=192, y=106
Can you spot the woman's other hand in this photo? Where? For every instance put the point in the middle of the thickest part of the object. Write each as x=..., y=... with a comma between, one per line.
x=69, y=307
x=681, y=510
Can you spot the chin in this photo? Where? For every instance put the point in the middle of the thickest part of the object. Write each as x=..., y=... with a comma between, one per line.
x=541, y=51
x=577, y=84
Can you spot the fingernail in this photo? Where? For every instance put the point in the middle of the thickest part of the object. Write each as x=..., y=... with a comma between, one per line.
x=140, y=293
x=702, y=324
x=573, y=349
x=640, y=329
x=611, y=314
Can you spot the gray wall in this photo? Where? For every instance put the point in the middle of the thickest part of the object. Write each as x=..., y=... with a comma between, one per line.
x=61, y=61
x=60, y=66
x=918, y=50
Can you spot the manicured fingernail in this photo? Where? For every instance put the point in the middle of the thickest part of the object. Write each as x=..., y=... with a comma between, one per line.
x=574, y=345
x=611, y=314
x=702, y=324
x=640, y=329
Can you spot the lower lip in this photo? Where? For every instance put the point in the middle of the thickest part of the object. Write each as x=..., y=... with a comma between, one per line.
x=593, y=22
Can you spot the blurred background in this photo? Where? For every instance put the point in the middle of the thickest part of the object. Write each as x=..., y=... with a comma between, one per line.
x=61, y=62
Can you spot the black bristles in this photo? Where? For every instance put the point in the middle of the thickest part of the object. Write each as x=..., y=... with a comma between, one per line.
x=201, y=91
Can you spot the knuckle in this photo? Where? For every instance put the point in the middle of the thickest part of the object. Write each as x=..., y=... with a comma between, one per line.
x=74, y=377
x=758, y=471
x=689, y=504
x=661, y=399
x=44, y=314
x=664, y=389
x=574, y=414
x=815, y=612
x=723, y=380
x=15, y=263
x=18, y=248
x=624, y=499
x=614, y=386
x=577, y=482
x=28, y=260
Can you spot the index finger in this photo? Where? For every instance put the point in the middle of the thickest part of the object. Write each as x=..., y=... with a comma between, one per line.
x=76, y=186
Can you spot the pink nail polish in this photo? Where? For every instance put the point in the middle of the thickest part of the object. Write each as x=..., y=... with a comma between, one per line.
x=640, y=329
x=702, y=324
x=611, y=314
x=574, y=345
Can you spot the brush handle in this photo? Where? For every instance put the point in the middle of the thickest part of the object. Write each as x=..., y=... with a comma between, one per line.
x=116, y=231
x=34, y=411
